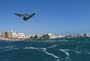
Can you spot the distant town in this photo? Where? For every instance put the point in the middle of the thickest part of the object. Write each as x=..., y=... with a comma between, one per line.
x=22, y=36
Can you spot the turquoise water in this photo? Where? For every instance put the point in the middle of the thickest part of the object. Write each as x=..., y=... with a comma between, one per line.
x=65, y=49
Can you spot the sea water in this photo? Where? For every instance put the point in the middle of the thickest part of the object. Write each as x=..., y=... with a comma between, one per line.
x=63, y=49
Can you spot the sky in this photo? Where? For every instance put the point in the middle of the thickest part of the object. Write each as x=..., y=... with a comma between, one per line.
x=52, y=16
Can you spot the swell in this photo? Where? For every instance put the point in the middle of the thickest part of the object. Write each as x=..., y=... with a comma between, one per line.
x=59, y=50
x=48, y=51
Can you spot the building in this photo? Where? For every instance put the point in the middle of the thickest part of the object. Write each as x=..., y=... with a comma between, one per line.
x=7, y=35
x=14, y=35
x=55, y=35
x=20, y=35
x=88, y=35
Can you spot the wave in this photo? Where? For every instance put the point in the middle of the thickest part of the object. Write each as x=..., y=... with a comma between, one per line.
x=45, y=51
x=50, y=54
x=57, y=57
x=53, y=46
x=64, y=51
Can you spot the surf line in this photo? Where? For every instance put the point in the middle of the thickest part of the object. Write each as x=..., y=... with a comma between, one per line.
x=67, y=54
x=50, y=54
x=45, y=51
x=62, y=50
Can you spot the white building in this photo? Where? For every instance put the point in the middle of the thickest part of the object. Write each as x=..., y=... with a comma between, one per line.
x=88, y=35
x=14, y=35
x=55, y=35
x=20, y=35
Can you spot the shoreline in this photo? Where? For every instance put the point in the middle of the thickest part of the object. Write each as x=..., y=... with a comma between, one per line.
x=13, y=39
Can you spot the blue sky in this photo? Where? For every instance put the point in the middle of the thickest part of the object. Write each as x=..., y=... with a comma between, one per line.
x=55, y=16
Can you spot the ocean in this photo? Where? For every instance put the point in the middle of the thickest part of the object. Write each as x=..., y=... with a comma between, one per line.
x=63, y=49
